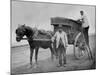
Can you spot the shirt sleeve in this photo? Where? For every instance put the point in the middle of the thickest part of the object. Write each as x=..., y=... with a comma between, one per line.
x=66, y=39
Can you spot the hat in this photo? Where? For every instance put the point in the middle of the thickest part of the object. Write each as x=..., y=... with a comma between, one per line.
x=60, y=25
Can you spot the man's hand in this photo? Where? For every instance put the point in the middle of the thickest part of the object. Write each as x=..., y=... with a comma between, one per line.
x=52, y=40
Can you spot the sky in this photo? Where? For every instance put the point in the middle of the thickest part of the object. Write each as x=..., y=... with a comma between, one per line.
x=38, y=14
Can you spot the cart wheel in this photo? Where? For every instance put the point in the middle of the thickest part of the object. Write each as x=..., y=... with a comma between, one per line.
x=79, y=47
x=81, y=52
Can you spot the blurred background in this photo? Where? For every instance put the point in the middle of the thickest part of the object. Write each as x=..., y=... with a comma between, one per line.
x=37, y=14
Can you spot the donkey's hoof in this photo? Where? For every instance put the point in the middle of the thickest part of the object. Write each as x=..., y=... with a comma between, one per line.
x=35, y=66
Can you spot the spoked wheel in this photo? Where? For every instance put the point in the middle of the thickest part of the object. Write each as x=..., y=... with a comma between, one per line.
x=79, y=47
x=80, y=52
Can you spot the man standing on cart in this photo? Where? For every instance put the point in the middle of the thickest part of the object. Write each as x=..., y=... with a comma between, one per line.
x=85, y=28
x=61, y=45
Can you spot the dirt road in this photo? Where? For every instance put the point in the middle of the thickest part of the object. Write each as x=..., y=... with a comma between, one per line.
x=20, y=61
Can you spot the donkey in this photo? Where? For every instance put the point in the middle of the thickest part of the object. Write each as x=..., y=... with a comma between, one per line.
x=29, y=32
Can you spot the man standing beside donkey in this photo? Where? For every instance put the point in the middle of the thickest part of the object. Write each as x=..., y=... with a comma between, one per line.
x=61, y=45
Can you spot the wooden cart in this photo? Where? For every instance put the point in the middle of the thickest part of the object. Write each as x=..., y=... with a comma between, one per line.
x=73, y=30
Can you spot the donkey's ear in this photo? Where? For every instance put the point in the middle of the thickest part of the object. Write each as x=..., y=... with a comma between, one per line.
x=19, y=25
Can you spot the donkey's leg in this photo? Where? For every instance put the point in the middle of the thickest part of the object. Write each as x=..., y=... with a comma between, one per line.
x=31, y=55
x=36, y=55
x=52, y=53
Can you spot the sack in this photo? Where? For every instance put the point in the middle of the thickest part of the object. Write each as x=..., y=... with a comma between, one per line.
x=42, y=34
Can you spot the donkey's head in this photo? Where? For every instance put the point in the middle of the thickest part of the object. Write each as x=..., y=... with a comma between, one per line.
x=20, y=32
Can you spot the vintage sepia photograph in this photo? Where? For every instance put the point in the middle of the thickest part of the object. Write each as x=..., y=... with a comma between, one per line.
x=52, y=37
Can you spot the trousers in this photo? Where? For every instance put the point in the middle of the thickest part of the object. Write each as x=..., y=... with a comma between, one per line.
x=61, y=51
x=86, y=35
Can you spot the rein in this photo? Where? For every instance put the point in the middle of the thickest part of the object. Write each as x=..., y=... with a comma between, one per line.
x=37, y=39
